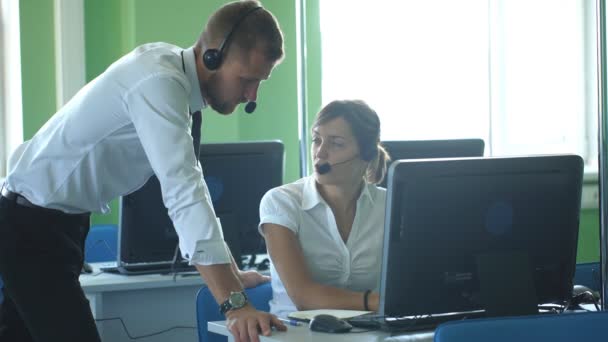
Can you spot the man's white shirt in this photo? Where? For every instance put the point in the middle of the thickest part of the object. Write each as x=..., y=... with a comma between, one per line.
x=129, y=123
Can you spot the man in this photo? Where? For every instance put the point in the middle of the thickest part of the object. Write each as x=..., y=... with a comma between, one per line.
x=129, y=123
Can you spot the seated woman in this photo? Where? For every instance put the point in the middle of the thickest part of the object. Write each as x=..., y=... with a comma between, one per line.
x=324, y=232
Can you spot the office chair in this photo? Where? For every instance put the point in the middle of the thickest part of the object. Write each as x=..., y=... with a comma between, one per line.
x=588, y=274
x=101, y=243
x=207, y=309
x=566, y=327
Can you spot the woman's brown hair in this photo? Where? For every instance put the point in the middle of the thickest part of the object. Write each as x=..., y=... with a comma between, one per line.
x=365, y=125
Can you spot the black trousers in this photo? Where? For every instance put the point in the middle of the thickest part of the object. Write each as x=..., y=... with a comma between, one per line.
x=41, y=255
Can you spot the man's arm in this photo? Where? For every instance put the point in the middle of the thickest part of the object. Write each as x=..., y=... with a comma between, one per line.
x=245, y=323
x=157, y=105
x=249, y=278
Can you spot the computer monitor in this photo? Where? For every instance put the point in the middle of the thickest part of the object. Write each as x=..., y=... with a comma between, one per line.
x=237, y=175
x=424, y=149
x=480, y=234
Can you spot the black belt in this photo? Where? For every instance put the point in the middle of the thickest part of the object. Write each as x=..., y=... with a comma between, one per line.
x=15, y=197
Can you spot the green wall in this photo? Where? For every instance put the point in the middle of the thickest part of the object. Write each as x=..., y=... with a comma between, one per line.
x=38, y=64
x=114, y=27
x=589, y=236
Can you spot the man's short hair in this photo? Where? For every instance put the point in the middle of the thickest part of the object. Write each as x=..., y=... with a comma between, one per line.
x=259, y=29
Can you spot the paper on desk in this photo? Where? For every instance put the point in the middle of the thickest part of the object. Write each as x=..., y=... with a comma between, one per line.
x=307, y=315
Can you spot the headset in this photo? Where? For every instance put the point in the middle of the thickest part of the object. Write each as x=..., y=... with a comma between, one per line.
x=212, y=58
x=367, y=154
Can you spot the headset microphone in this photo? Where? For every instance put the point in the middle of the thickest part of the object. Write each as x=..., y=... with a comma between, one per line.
x=250, y=107
x=326, y=168
x=323, y=169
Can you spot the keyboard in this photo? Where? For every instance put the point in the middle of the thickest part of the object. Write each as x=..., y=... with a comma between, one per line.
x=409, y=323
x=250, y=263
x=137, y=269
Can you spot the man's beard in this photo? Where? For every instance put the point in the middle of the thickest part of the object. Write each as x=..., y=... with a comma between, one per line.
x=214, y=98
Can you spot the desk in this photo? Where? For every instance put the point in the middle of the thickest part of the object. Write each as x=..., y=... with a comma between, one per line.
x=303, y=334
x=146, y=303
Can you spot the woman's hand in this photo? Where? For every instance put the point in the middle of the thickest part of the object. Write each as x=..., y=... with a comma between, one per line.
x=252, y=278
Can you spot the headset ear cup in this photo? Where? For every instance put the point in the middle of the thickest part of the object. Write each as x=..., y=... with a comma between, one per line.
x=212, y=58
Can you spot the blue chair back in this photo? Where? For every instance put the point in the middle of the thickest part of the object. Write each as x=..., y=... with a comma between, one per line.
x=207, y=309
x=101, y=243
x=567, y=327
x=588, y=274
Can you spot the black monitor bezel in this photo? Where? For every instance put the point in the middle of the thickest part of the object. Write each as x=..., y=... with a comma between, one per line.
x=412, y=170
x=274, y=149
x=427, y=149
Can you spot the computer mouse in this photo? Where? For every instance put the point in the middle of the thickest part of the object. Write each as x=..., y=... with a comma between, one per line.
x=329, y=324
x=86, y=268
x=263, y=265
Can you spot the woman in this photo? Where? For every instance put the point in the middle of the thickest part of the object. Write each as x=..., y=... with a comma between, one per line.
x=324, y=232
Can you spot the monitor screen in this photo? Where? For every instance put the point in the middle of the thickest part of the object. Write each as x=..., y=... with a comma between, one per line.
x=424, y=149
x=237, y=175
x=461, y=233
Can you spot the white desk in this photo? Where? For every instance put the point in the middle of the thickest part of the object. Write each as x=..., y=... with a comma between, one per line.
x=303, y=334
x=146, y=303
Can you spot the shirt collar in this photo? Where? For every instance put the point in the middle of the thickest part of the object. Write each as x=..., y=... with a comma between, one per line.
x=196, y=99
x=311, y=196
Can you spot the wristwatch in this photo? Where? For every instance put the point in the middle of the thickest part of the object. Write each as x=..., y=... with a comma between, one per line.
x=236, y=300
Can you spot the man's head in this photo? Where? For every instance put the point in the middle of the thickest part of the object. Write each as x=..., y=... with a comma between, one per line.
x=250, y=44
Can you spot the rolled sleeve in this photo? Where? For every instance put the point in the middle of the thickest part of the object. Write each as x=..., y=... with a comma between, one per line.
x=200, y=235
x=277, y=207
x=210, y=252
x=158, y=109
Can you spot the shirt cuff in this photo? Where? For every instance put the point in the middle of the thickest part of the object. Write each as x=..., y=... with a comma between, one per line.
x=210, y=252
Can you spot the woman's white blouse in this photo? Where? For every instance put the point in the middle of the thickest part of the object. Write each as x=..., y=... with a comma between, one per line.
x=354, y=265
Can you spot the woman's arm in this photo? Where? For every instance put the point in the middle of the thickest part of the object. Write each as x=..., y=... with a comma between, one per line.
x=306, y=294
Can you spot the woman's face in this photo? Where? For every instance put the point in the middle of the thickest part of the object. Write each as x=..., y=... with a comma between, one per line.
x=333, y=143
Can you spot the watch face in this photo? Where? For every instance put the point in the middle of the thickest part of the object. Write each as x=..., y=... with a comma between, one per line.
x=237, y=300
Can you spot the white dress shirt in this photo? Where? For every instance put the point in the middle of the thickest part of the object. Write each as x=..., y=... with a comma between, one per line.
x=121, y=128
x=354, y=265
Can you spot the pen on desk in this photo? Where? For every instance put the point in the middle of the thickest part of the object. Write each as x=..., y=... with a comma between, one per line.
x=292, y=322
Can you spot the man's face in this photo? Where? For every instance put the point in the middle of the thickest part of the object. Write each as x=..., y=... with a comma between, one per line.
x=236, y=81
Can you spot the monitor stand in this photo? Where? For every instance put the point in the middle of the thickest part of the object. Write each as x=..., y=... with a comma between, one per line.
x=506, y=284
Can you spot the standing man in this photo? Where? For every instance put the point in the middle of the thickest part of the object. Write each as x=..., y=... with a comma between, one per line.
x=129, y=123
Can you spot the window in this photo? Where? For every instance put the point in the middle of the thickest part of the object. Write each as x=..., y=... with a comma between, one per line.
x=11, y=126
x=518, y=73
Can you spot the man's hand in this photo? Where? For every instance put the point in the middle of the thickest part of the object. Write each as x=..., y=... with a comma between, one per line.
x=252, y=278
x=246, y=323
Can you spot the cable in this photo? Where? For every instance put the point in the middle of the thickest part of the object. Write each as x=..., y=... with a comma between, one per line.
x=106, y=246
x=363, y=331
x=174, y=262
x=142, y=336
x=581, y=298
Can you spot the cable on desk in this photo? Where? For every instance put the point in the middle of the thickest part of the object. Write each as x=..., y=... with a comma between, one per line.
x=362, y=331
x=142, y=336
x=105, y=245
x=581, y=298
